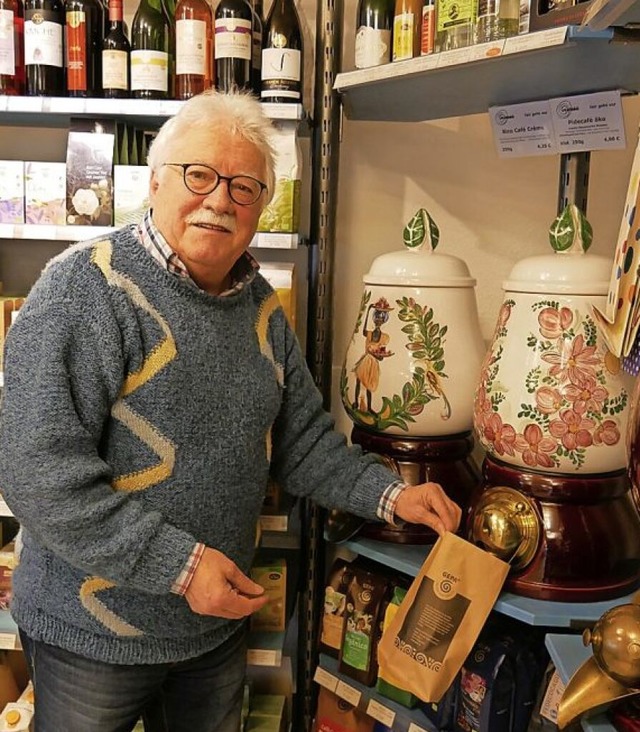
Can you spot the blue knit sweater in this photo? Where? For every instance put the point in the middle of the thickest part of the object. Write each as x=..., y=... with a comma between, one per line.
x=139, y=416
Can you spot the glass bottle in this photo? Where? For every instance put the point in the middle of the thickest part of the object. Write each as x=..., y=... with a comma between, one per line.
x=116, y=50
x=83, y=47
x=194, y=48
x=43, y=59
x=232, y=44
x=407, y=24
x=150, y=51
x=373, y=33
x=11, y=47
x=282, y=55
x=497, y=19
x=455, y=21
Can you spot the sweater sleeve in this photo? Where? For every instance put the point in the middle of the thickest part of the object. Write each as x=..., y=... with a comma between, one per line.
x=310, y=458
x=64, y=366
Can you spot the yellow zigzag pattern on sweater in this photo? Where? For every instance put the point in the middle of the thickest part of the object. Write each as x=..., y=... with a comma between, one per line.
x=157, y=359
x=267, y=308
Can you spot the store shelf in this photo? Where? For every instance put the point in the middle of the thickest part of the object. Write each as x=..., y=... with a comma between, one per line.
x=409, y=558
x=568, y=653
x=56, y=111
x=394, y=715
x=542, y=65
x=265, y=649
x=42, y=232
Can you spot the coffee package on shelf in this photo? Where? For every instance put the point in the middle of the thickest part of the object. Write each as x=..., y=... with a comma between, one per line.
x=44, y=193
x=11, y=192
x=441, y=617
x=334, y=607
x=336, y=715
x=273, y=578
x=90, y=152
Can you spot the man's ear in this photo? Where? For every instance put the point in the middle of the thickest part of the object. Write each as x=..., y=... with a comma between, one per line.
x=154, y=183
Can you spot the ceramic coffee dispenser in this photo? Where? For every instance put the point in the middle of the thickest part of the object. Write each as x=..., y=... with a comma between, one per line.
x=411, y=367
x=551, y=412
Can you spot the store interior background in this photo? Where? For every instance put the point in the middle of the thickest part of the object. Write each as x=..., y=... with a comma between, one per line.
x=491, y=212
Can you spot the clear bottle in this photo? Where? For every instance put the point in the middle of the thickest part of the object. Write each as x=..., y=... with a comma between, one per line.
x=116, y=50
x=428, y=30
x=232, y=44
x=407, y=24
x=374, y=25
x=497, y=19
x=43, y=58
x=83, y=47
x=282, y=55
x=455, y=22
x=11, y=47
x=151, y=48
x=194, y=48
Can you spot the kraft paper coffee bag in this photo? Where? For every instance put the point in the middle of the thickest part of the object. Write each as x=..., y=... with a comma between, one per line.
x=441, y=617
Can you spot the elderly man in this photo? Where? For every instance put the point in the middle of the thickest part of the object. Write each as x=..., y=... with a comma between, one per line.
x=152, y=385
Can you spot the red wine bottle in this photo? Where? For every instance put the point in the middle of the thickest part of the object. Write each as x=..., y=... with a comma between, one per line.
x=83, y=47
x=282, y=55
x=43, y=59
x=116, y=50
x=11, y=47
x=232, y=43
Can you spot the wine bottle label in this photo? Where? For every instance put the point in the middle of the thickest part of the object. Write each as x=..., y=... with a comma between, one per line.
x=149, y=71
x=76, y=50
x=115, y=70
x=280, y=73
x=451, y=13
x=233, y=38
x=42, y=38
x=7, y=47
x=191, y=47
x=403, y=30
x=373, y=47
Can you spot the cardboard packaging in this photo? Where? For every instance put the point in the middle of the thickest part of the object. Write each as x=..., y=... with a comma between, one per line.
x=130, y=193
x=282, y=215
x=273, y=577
x=44, y=193
x=281, y=276
x=11, y=192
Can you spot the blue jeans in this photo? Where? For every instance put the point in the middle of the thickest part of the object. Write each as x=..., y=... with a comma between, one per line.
x=77, y=694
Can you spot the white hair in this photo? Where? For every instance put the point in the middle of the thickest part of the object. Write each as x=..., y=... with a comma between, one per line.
x=237, y=112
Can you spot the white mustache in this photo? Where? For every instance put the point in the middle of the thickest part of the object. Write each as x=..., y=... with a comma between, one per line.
x=211, y=219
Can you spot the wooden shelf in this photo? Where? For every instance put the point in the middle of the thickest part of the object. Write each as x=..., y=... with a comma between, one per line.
x=56, y=111
x=542, y=65
x=409, y=559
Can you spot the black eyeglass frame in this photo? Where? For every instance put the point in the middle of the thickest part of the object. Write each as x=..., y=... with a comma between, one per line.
x=229, y=179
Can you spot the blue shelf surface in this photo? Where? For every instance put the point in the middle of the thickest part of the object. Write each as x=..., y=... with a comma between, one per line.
x=568, y=653
x=403, y=717
x=408, y=558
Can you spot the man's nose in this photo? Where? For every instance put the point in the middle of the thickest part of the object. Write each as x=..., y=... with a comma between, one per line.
x=219, y=198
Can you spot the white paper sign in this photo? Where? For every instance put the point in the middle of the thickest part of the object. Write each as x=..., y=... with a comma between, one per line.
x=381, y=713
x=588, y=122
x=523, y=129
x=555, y=690
x=531, y=41
x=414, y=728
x=8, y=641
x=348, y=693
x=326, y=679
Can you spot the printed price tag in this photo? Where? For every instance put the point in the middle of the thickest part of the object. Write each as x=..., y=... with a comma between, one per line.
x=324, y=678
x=549, y=706
x=523, y=129
x=413, y=727
x=348, y=693
x=481, y=51
x=588, y=122
x=4, y=509
x=274, y=523
x=8, y=641
x=540, y=39
x=259, y=657
x=63, y=105
x=452, y=58
x=275, y=241
x=381, y=713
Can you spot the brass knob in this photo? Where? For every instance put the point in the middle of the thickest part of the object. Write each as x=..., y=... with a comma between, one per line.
x=615, y=641
x=506, y=524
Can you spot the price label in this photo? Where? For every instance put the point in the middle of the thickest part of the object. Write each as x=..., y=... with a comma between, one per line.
x=588, y=122
x=413, y=727
x=274, y=523
x=348, y=693
x=531, y=41
x=551, y=701
x=258, y=657
x=523, y=129
x=481, y=51
x=4, y=509
x=453, y=58
x=381, y=713
x=8, y=641
x=324, y=678
x=64, y=105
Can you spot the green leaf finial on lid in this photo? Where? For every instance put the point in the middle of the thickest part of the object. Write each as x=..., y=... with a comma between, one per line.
x=421, y=228
x=570, y=231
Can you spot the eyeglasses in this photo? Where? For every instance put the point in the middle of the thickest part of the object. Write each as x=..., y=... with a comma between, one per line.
x=203, y=180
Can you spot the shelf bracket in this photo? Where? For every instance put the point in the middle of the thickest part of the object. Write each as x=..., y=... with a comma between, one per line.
x=574, y=180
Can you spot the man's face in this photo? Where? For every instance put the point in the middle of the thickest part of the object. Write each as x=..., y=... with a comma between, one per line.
x=209, y=232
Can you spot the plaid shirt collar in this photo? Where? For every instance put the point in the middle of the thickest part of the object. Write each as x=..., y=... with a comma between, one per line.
x=242, y=273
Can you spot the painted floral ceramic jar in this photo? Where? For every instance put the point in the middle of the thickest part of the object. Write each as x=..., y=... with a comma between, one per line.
x=413, y=361
x=551, y=396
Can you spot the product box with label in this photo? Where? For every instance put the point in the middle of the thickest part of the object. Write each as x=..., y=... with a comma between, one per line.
x=89, y=191
x=130, y=193
x=44, y=193
x=282, y=215
x=281, y=276
x=11, y=192
x=273, y=578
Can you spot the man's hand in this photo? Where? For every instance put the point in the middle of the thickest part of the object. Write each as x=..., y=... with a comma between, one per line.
x=219, y=588
x=428, y=504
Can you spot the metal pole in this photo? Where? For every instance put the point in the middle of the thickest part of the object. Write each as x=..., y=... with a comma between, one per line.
x=574, y=180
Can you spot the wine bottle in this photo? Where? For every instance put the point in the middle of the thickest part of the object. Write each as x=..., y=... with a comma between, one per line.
x=455, y=21
x=497, y=19
x=232, y=43
x=373, y=34
x=282, y=55
x=151, y=38
x=194, y=48
x=11, y=47
x=257, y=34
x=116, y=50
x=43, y=59
x=83, y=45
x=407, y=23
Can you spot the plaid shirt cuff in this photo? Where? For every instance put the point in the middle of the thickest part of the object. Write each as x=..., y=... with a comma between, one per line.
x=387, y=506
x=181, y=585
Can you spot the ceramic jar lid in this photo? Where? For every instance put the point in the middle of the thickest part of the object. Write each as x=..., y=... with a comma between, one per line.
x=418, y=265
x=569, y=270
